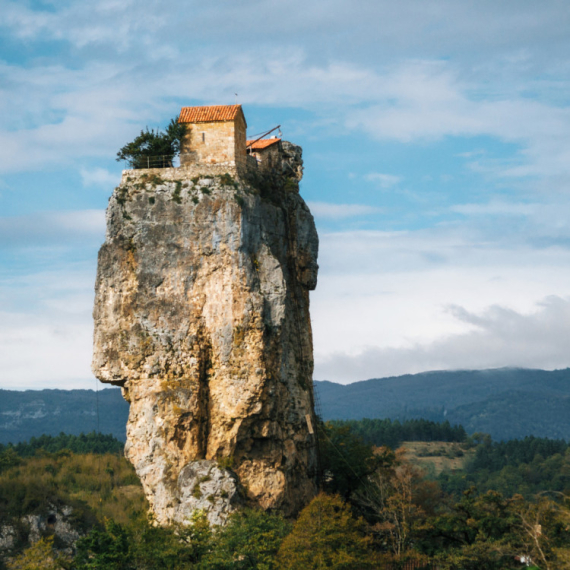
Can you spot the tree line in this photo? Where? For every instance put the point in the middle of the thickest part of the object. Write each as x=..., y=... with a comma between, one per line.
x=393, y=432
x=92, y=442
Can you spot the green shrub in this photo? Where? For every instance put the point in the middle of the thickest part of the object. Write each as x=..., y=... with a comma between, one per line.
x=151, y=143
x=177, y=190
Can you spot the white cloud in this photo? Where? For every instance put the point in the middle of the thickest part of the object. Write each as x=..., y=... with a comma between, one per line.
x=45, y=351
x=46, y=327
x=48, y=228
x=502, y=337
x=99, y=177
x=426, y=101
x=330, y=211
x=383, y=180
x=385, y=295
x=496, y=207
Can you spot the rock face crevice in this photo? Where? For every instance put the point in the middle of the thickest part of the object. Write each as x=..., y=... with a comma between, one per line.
x=202, y=317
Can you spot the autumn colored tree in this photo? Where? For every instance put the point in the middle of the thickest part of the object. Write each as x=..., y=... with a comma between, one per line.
x=390, y=500
x=326, y=535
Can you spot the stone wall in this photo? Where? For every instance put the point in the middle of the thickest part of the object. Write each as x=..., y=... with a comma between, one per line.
x=240, y=142
x=215, y=142
x=180, y=173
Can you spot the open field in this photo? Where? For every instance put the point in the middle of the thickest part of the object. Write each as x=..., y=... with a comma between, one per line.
x=437, y=456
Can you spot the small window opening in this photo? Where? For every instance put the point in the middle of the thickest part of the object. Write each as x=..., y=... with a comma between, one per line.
x=203, y=137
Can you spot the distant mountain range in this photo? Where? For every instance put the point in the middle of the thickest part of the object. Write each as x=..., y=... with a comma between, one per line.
x=35, y=412
x=507, y=403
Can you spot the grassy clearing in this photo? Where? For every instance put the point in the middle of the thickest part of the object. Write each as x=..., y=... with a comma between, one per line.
x=435, y=457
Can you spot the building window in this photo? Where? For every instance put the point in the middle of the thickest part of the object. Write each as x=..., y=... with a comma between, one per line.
x=203, y=137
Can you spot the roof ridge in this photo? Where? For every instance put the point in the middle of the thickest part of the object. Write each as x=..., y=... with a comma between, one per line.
x=209, y=113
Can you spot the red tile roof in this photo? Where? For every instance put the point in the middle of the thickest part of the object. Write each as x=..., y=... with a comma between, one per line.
x=261, y=144
x=209, y=114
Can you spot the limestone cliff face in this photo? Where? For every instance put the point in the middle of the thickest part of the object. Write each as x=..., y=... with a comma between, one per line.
x=202, y=316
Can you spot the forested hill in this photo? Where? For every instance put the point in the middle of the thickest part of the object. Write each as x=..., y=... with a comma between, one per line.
x=506, y=403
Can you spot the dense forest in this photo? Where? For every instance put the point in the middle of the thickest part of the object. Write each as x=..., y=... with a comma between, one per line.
x=375, y=510
x=92, y=442
x=393, y=432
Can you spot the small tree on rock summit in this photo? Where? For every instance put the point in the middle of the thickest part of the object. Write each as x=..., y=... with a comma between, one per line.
x=154, y=147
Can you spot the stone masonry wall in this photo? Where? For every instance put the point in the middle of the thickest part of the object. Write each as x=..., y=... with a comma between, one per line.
x=209, y=143
x=181, y=173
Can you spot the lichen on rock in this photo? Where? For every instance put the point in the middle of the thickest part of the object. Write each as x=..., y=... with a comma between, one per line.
x=202, y=317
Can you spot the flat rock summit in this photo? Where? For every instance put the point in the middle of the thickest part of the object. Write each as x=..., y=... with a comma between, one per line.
x=202, y=317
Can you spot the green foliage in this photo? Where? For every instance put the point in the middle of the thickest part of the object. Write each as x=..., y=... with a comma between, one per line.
x=153, y=179
x=457, y=534
x=151, y=143
x=227, y=180
x=196, y=492
x=496, y=456
x=489, y=530
x=393, y=432
x=291, y=185
x=83, y=443
x=177, y=190
x=9, y=457
x=94, y=485
x=326, y=535
x=108, y=548
x=251, y=539
x=346, y=460
x=524, y=467
x=144, y=546
x=225, y=462
x=39, y=555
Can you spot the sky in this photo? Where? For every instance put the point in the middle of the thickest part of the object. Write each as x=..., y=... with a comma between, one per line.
x=436, y=140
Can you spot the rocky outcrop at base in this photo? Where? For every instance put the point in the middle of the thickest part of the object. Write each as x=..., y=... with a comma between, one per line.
x=202, y=317
x=56, y=521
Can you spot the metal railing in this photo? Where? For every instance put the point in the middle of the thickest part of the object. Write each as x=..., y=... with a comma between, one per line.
x=154, y=161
